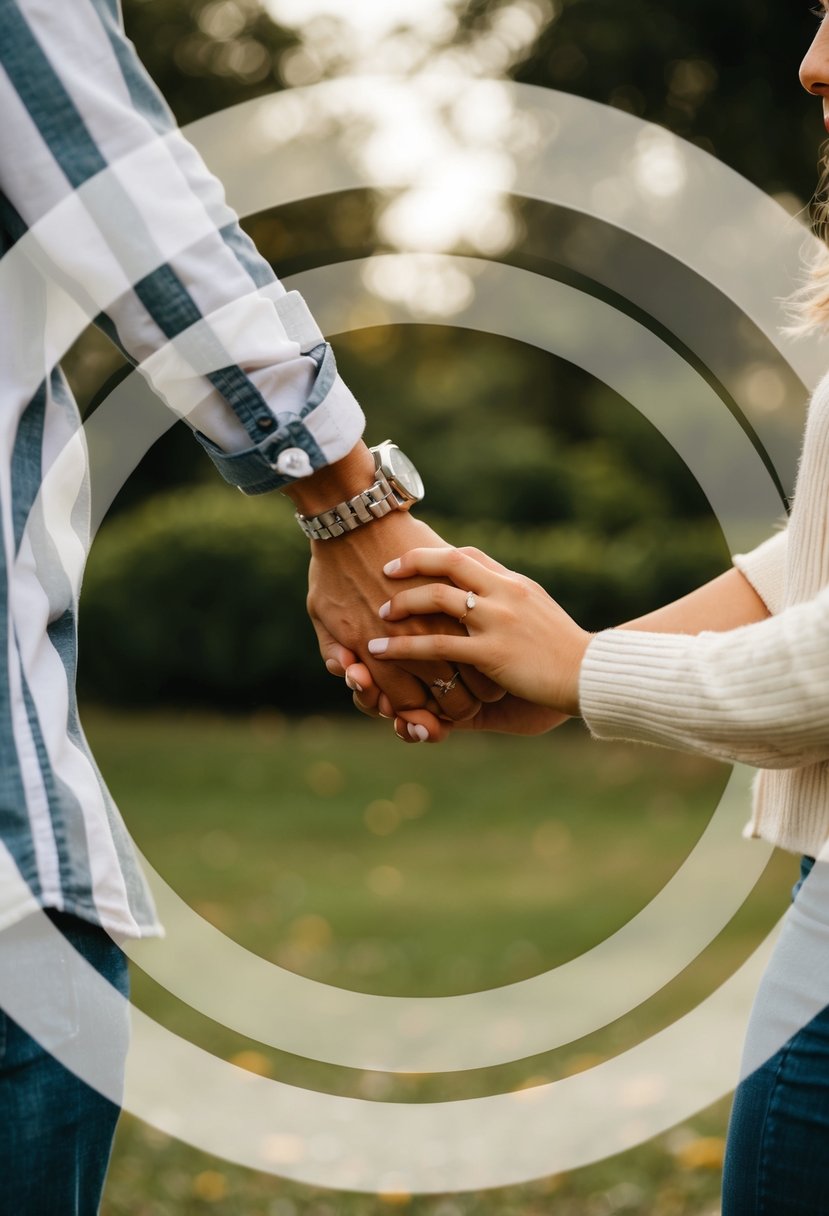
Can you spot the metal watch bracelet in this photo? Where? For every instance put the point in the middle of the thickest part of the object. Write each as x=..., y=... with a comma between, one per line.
x=375, y=502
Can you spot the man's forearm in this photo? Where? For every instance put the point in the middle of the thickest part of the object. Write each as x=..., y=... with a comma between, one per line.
x=726, y=602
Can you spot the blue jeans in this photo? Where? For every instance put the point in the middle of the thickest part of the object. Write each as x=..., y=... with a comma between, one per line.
x=56, y=1131
x=777, y=1151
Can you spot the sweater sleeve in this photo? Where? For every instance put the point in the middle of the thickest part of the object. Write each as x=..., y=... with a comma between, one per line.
x=757, y=695
x=765, y=569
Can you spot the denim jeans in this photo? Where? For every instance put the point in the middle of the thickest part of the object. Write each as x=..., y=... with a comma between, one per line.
x=56, y=1131
x=777, y=1151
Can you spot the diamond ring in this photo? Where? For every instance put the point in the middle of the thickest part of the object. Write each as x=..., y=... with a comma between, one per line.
x=445, y=686
x=471, y=601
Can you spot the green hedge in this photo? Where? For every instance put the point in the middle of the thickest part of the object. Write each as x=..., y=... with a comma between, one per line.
x=198, y=596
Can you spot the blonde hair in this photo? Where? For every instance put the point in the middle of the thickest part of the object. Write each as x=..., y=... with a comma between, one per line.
x=808, y=305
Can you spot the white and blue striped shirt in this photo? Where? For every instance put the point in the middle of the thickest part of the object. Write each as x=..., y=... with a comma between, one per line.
x=108, y=214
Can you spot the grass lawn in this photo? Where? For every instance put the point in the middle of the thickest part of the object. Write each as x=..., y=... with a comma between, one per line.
x=331, y=849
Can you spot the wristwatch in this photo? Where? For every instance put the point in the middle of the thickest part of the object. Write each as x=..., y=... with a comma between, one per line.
x=397, y=487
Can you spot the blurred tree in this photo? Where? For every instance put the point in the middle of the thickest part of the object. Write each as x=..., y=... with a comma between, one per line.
x=516, y=428
x=725, y=78
x=206, y=55
x=561, y=477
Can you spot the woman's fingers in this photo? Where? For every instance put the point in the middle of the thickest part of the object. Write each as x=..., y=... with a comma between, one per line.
x=454, y=564
x=429, y=599
x=449, y=692
x=454, y=694
x=512, y=631
x=451, y=648
x=483, y=559
x=451, y=601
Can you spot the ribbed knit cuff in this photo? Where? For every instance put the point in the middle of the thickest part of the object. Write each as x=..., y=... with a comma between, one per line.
x=765, y=569
x=755, y=694
x=628, y=685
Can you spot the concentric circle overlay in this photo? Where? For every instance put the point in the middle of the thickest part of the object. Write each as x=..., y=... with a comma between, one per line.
x=442, y=1034
x=298, y=145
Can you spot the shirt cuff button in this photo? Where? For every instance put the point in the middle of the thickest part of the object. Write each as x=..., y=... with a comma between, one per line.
x=293, y=462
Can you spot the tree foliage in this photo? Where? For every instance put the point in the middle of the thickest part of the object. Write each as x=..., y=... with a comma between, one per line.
x=522, y=453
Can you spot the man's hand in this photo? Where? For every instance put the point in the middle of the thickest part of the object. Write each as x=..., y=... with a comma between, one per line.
x=509, y=716
x=346, y=587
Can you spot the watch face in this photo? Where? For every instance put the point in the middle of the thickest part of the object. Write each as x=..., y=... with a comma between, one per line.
x=402, y=473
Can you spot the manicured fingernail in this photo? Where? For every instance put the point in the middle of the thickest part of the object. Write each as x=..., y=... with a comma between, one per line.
x=353, y=685
x=378, y=645
x=419, y=733
x=392, y=566
x=332, y=667
x=385, y=609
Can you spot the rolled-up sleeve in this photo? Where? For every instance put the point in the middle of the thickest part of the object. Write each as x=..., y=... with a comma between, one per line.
x=765, y=568
x=125, y=216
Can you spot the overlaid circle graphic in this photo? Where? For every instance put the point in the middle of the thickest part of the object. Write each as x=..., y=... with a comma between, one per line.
x=354, y=1144
x=710, y=224
x=441, y=1034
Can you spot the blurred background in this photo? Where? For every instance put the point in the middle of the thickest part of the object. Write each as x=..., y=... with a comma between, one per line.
x=561, y=476
x=309, y=836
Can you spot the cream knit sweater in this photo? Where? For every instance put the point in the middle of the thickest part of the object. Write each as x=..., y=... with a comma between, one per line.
x=759, y=694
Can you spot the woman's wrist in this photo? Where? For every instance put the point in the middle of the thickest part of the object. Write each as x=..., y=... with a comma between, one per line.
x=570, y=702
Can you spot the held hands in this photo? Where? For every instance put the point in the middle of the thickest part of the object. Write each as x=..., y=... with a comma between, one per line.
x=509, y=716
x=515, y=634
x=346, y=584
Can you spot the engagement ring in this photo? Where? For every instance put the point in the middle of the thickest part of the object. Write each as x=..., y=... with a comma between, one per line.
x=470, y=604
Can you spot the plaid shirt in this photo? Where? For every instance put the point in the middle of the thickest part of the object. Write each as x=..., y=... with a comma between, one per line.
x=108, y=214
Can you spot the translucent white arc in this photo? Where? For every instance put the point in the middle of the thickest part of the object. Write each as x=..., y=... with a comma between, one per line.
x=123, y=438
x=697, y=1055
x=422, y=1148
x=478, y=1030
x=288, y=147
x=352, y=1144
x=214, y=1106
x=442, y=1034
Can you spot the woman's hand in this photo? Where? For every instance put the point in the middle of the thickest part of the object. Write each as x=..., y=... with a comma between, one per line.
x=516, y=634
x=346, y=585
